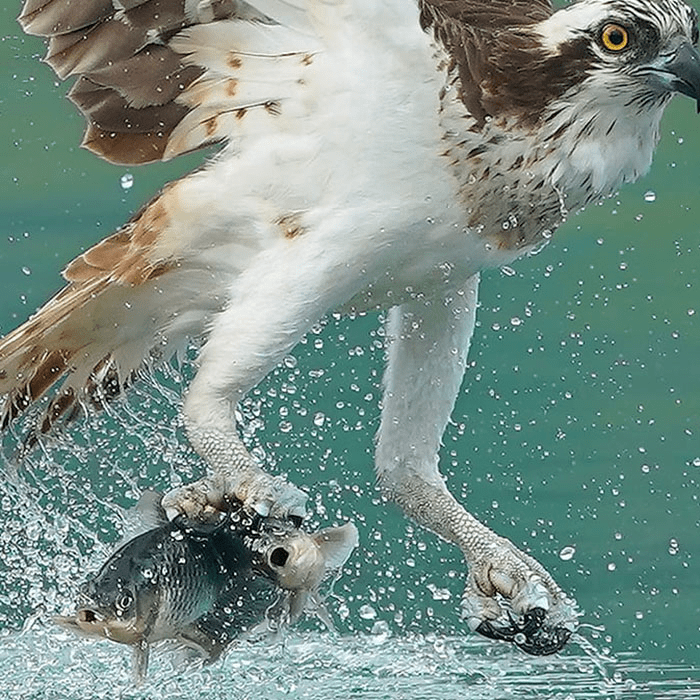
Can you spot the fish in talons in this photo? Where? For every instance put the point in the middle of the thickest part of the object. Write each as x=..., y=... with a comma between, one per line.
x=205, y=587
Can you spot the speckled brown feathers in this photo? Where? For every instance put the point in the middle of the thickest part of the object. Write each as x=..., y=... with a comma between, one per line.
x=125, y=256
x=64, y=337
x=503, y=70
x=129, y=78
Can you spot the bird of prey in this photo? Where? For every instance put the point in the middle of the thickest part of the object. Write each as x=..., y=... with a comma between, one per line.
x=374, y=154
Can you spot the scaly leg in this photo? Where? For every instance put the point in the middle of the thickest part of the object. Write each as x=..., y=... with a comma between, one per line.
x=273, y=303
x=429, y=342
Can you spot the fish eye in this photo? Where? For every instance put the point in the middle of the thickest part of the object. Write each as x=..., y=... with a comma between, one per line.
x=124, y=600
x=614, y=37
x=279, y=556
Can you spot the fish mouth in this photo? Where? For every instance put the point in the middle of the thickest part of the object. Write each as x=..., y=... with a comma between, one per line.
x=88, y=622
x=297, y=563
x=300, y=560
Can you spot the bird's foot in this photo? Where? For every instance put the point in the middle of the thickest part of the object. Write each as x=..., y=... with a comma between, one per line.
x=213, y=495
x=511, y=597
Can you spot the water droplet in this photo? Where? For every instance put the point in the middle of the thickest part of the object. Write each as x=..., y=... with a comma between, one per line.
x=439, y=593
x=381, y=629
x=649, y=196
x=126, y=181
x=367, y=612
x=285, y=426
x=612, y=566
x=319, y=419
x=26, y=271
x=508, y=271
x=567, y=553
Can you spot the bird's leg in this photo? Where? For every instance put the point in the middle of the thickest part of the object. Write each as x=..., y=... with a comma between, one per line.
x=233, y=474
x=272, y=304
x=508, y=594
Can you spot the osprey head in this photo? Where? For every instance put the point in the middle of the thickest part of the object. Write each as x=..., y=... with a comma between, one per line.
x=640, y=50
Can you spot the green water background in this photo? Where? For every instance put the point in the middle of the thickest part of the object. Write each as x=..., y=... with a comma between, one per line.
x=577, y=426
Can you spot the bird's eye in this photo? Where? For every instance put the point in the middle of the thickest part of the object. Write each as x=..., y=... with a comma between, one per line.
x=614, y=37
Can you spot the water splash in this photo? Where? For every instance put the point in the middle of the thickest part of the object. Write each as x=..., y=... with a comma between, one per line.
x=316, y=666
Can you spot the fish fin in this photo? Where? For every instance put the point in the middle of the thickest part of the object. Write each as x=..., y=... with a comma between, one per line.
x=208, y=648
x=139, y=659
x=316, y=605
x=296, y=603
x=336, y=544
x=150, y=511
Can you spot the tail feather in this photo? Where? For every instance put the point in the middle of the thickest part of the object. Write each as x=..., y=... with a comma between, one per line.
x=58, y=343
x=125, y=306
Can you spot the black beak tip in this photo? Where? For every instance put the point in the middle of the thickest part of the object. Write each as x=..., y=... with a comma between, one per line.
x=685, y=68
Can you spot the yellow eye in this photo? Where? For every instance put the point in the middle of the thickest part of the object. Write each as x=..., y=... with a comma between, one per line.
x=614, y=37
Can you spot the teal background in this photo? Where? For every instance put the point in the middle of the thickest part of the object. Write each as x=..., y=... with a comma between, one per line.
x=577, y=425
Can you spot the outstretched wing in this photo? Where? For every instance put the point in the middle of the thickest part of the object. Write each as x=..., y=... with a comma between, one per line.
x=157, y=78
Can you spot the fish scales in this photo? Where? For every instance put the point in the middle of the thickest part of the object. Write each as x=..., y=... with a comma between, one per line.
x=202, y=585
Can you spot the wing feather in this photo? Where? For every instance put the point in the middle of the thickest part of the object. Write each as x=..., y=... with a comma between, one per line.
x=489, y=14
x=490, y=50
x=155, y=76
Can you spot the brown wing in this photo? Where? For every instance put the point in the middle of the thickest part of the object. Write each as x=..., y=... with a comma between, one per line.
x=130, y=78
x=499, y=62
x=489, y=14
x=157, y=78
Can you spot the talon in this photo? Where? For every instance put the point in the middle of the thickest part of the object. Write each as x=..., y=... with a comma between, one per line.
x=545, y=641
x=501, y=634
x=262, y=508
x=531, y=635
x=296, y=520
x=534, y=619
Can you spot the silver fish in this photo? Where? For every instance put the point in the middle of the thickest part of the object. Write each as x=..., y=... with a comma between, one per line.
x=204, y=586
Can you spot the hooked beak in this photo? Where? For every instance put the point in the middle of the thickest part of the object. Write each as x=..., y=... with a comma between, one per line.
x=684, y=71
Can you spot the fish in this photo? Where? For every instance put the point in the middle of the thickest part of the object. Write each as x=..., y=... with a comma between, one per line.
x=204, y=586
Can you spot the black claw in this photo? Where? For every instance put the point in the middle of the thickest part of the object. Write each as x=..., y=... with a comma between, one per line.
x=534, y=619
x=502, y=634
x=531, y=635
x=547, y=640
x=296, y=520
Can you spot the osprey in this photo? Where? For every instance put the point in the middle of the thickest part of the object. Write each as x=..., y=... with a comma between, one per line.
x=374, y=155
